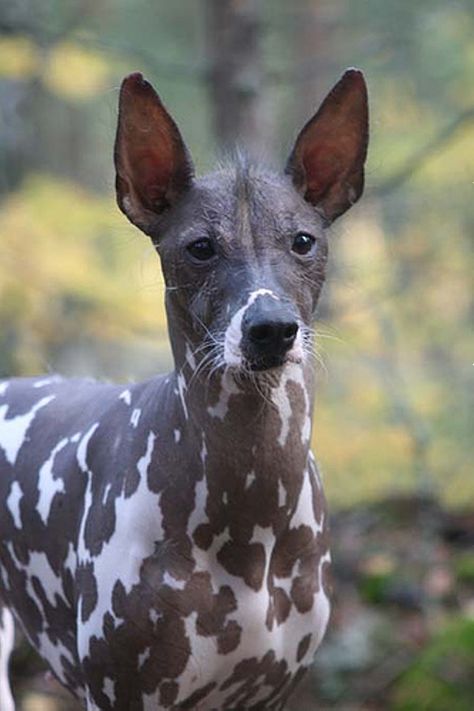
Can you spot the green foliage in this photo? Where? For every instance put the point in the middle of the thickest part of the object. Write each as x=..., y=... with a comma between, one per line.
x=442, y=677
x=71, y=272
x=464, y=568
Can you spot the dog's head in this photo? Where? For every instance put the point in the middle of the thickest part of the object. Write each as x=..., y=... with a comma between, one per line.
x=243, y=249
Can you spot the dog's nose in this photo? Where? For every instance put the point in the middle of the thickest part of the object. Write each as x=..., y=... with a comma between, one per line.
x=269, y=331
x=276, y=335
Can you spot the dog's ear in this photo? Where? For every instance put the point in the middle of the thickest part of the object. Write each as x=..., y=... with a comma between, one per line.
x=152, y=163
x=327, y=161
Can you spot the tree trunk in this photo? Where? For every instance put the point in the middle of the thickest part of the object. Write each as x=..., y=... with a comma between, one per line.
x=235, y=72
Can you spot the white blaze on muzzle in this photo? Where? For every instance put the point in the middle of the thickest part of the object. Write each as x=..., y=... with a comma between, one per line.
x=233, y=355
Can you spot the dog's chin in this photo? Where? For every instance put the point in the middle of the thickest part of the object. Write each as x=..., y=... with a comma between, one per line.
x=271, y=363
x=260, y=365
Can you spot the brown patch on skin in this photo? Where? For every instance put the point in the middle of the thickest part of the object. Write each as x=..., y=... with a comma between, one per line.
x=303, y=647
x=197, y=696
x=302, y=594
x=245, y=561
x=87, y=583
x=291, y=547
x=229, y=639
x=168, y=692
x=282, y=605
x=307, y=583
x=203, y=536
x=250, y=675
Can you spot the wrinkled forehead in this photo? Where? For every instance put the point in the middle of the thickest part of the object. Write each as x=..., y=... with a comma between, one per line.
x=248, y=199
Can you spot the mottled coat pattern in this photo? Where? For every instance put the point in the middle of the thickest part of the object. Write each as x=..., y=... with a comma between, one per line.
x=165, y=545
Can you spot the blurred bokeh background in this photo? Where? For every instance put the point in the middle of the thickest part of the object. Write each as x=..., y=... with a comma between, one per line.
x=81, y=290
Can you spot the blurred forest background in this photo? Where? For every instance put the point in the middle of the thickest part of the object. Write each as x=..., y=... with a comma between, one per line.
x=81, y=290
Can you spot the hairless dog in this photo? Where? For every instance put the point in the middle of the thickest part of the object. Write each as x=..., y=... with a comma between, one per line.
x=164, y=545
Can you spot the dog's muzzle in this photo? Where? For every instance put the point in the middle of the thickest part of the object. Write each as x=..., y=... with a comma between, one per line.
x=269, y=332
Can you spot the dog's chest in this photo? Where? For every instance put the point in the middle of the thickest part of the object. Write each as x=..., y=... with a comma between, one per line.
x=207, y=624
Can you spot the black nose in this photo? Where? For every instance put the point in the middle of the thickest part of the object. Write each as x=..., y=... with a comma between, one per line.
x=268, y=334
x=276, y=336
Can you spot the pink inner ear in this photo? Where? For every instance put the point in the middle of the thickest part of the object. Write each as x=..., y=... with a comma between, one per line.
x=326, y=157
x=152, y=163
x=322, y=168
x=327, y=161
x=150, y=175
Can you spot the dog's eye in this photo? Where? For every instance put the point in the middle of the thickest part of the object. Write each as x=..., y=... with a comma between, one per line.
x=303, y=243
x=202, y=249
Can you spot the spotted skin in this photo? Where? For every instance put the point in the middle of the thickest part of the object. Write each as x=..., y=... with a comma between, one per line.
x=105, y=549
x=165, y=544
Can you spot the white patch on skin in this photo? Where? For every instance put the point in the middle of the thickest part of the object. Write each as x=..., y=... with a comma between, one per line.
x=71, y=560
x=304, y=508
x=81, y=456
x=151, y=702
x=138, y=526
x=284, y=583
x=293, y=373
x=135, y=417
x=228, y=387
x=203, y=653
x=281, y=494
x=108, y=689
x=233, y=333
x=282, y=401
x=181, y=392
x=198, y=514
x=154, y=616
x=315, y=471
x=81, y=453
x=298, y=377
x=3, y=387
x=107, y=488
x=7, y=641
x=143, y=657
x=126, y=396
x=190, y=359
x=48, y=485
x=263, y=535
x=177, y=436
x=13, y=431
x=173, y=582
x=13, y=503
x=249, y=479
x=47, y=381
x=296, y=354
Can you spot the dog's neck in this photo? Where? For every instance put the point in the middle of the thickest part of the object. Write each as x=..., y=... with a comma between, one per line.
x=250, y=438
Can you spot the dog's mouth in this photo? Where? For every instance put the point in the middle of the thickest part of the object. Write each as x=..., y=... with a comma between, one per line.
x=271, y=361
